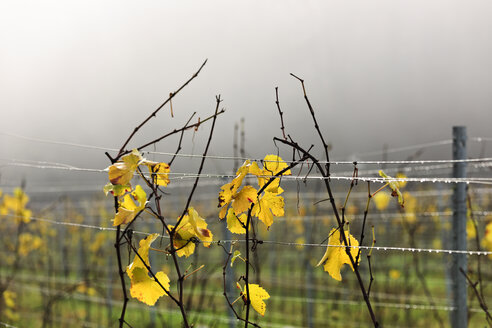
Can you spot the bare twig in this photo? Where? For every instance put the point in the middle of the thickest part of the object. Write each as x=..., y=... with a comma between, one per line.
x=186, y=127
x=316, y=126
x=153, y=114
x=369, y=255
x=280, y=113
x=479, y=283
x=190, y=196
x=366, y=211
x=477, y=241
x=121, y=273
x=180, y=140
x=480, y=298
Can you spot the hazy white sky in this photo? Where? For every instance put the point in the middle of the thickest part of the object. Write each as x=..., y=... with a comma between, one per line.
x=395, y=72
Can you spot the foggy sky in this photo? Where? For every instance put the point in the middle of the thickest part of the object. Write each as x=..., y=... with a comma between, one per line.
x=377, y=72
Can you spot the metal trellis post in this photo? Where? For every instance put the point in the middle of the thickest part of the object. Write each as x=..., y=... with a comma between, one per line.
x=459, y=288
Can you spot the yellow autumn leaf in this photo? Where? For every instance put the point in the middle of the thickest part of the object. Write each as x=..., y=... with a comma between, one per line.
x=29, y=243
x=410, y=207
x=395, y=187
x=300, y=241
x=11, y=314
x=336, y=256
x=9, y=298
x=268, y=206
x=15, y=205
x=84, y=289
x=116, y=190
x=143, y=251
x=272, y=165
x=184, y=241
x=381, y=199
x=236, y=255
x=487, y=238
x=159, y=172
x=121, y=173
x=199, y=227
x=394, y=274
x=145, y=288
x=257, y=295
x=128, y=208
x=236, y=224
x=229, y=192
x=401, y=176
x=243, y=199
x=98, y=241
x=192, y=228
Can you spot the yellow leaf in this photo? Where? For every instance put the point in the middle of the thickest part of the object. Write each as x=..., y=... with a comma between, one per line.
x=191, y=228
x=225, y=198
x=381, y=199
x=402, y=183
x=237, y=254
x=230, y=190
x=243, y=200
x=300, y=241
x=199, y=227
x=145, y=288
x=84, y=289
x=395, y=187
x=11, y=315
x=335, y=257
x=487, y=238
x=471, y=232
x=159, y=172
x=29, y=243
x=394, y=274
x=269, y=205
x=99, y=241
x=128, y=209
x=274, y=164
x=116, y=190
x=9, y=298
x=184, y=244
x=236, y=224
x=410, y=207
x=143, y=251
x=257, y=295
x=15, y=205
x=121, y=173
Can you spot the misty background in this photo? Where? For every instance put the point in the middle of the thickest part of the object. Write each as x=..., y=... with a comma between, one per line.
x=393, y=73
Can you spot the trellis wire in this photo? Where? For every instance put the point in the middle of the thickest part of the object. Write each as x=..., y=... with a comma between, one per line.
x=62, y=166
x=377, y=248
x=182, y=176
x=383, y=216
x=424, y=145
